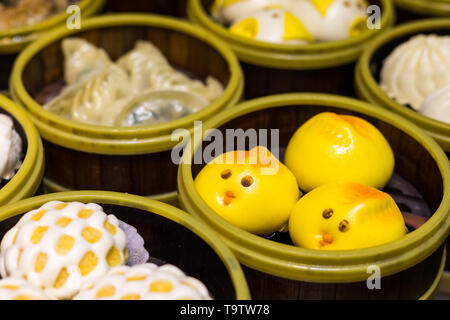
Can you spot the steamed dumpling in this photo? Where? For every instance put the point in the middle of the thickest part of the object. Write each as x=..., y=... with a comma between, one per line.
x=82, y=59
x=10, y=148
x=150, y=70
x=437, y=105
x=95, y=98
x=272, y=25
x=416, y=69
x=228, y=11
x=99, y=90
x=332, y=20
x=155, y=107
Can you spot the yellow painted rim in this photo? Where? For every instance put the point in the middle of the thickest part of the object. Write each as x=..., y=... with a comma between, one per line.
x=152, y=207
x=30, y=33
x=425, y=7
x=310, y=56
x=323, y=266
x=28, y=178
x=369, y=89
x=120, y=140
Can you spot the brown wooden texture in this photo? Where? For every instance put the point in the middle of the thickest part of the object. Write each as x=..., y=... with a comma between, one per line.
x=261, y=81
x=413, y=162
x=170, y=242
x=148, y=174
x=175, y=8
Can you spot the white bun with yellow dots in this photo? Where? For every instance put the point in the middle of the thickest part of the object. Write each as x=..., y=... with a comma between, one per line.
x=272, y=25
x=229, y=11
x=61, y=245
x=19, y=289
x=144, y=282
x=332, y=20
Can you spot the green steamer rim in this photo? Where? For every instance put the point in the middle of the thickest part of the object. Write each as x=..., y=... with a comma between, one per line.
x=152, y=207
x=301, y=264
x=30, y=33
x=169, y=197
x=286, y=56
x=368, y=88
x=425, y=7
x=27, y=179
x=120, y=140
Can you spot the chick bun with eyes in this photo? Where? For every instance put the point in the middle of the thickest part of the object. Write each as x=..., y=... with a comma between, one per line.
x=250, y=189
x=345, y=216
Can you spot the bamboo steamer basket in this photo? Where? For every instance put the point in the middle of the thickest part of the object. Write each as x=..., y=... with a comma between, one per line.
x=271, y=68
x=368, y=73
x=190, y=244
x=24, y=35
x=136, y=159
x=27, y=179
x=367, y=87
x=410, y=267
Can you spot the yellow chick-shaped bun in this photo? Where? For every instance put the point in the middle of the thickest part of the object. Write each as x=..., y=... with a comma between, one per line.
x=250, y=189
x=272, y=25
x=229, y=11
x=345, y=216
x=332, y=20
x=331, y=148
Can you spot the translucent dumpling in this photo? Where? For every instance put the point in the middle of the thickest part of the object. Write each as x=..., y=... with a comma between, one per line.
x=149, y=69
x=100, y=91
x=437, y=105
x=92, y=100
x=82, y=60
x=155, y=107
x=416, y=69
